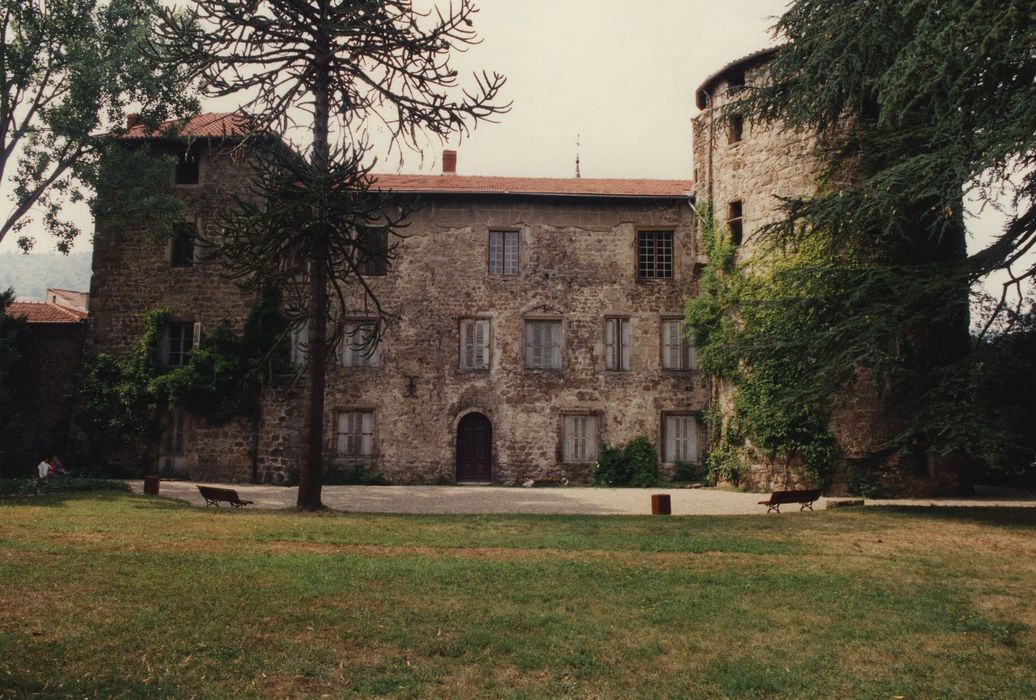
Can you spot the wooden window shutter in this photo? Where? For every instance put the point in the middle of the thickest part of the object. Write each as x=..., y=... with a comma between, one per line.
x=591, y=438
x=670, y=439
x=555, y=344
x=196, y=336
x=693, y=440
x=465, y=331
x=624, y=354
x=609, y=338
x=481, y=343
x=366, y=433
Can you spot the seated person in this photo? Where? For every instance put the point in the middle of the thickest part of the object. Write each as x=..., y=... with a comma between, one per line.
x=57, y=466
x=44, y=469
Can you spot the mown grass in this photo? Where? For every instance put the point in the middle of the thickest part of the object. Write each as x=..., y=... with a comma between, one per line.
x=107, y=594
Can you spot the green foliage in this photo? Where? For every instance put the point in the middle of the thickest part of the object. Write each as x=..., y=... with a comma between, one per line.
x=636, y=464
x=749, y=326
x=356, y=474
x=688, y=471
x=39, y=487
x=14, y=453
x=912, y=104
x=69, y=72
x=122, y=400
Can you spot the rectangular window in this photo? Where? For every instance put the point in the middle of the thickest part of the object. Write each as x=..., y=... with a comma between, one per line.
x=176, y=342
x=474, y=343
x=299, y=338
x=654, y=254
x=360, y=344
x=354, y=435
x=543, y=344
x=677, y=350
x=682, y=443
x=503, y=252
x=172, y=458
x=735, y=217
x=181, y=248
x=187, y=169
x=736, y=129
x=374, y=252
x=579, y=434
x=617, y=343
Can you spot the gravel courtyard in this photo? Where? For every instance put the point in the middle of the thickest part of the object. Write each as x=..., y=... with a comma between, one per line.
x=563, y=500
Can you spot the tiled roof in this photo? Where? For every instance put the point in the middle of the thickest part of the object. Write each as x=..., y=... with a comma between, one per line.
x=709, y=84
x=211, y=125
x=541, y=186
x=44, y=312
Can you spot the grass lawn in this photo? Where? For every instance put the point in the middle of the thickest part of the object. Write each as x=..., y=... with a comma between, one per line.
x=105, y=594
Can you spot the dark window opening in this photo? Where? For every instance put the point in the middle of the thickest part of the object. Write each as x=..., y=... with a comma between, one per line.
x=187, y=170
x=654, y=254
x=736, y=82
x=182, y=246
x=374, y=252
x=735, y=222
x=736, y=128
x=177, y=341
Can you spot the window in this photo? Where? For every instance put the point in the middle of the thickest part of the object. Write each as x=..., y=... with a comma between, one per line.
x=360, y=344
x=181, y=248
x=172, y=457
x=503, y=252
x=176, y=342
x=579, y=436
x=374, y=251
x=617, y=343
x=682, y=443
x=736, y=83
x=734, y=222
x=354, y=435
x=735, y=128
x=299, y=338
x=474, y=343
x=677, y=351
x=654, y=254
x=187, y=169
x=543, y=344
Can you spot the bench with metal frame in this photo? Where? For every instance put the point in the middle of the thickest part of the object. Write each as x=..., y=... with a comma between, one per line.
x=805, y=498
x=214, y=495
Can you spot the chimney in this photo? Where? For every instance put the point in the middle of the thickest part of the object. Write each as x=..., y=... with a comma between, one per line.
x=449, y=162
x=132, y=120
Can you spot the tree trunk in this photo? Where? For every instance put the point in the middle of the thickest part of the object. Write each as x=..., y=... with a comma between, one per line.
x=310, y=475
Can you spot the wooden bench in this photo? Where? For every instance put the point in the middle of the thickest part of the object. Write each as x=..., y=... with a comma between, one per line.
x=778, y=498
x=214, y=496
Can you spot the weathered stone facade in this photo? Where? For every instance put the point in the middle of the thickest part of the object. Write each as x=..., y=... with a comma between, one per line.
x=577, y=265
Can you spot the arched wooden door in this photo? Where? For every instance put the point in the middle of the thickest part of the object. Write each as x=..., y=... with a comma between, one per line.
x=474, y=448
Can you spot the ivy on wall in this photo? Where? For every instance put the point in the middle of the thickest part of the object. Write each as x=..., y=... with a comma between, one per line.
x=122, y=400
x=747, y=323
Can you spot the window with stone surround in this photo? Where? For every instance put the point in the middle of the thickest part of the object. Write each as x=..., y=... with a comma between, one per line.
x=374, y=250
x=360, y=343
x=735, y=128
x=299, y=337
x=354, y=434
x=503, y=253
x=176, y=341
x=543, y=344
x=735, y=219
x=579, y=438
x=181, y=247
x=677, y=350
x=474, y=343
x=617, y=344
x=654, y=254
x=681, y=438
x=188, y=168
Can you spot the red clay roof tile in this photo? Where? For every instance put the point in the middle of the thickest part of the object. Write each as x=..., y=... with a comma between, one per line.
x=44, y=312
x=542, y=186
x=210, y=125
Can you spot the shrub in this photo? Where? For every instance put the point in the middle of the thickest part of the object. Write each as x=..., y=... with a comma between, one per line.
x=357, y=475
x=688, y=471
x=636, y=464
x=37, y=487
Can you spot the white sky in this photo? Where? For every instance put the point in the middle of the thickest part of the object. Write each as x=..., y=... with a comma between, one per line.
x=619, y=74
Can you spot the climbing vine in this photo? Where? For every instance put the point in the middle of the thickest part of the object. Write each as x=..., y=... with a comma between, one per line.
x=747, y=323
x=122, y=400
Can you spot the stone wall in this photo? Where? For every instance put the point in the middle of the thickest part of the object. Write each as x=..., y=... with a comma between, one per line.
x=46, y=382
x=577, y=264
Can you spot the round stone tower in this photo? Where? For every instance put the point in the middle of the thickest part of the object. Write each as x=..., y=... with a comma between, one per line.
x=742, y=170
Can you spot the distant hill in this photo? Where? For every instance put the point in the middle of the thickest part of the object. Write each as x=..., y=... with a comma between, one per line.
x=31, y=274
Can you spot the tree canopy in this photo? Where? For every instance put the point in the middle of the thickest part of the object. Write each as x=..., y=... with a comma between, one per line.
x=69, y=71
x=915, y=105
